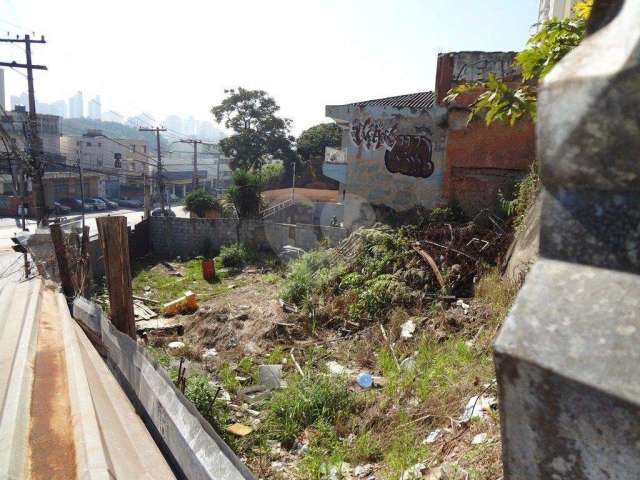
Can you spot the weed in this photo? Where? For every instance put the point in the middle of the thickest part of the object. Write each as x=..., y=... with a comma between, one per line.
x=228, y=378
x=525, y=196
x=236, y=256
x=364, y=449
x=306, y=401
x=276, y=356
x=406, y=449
x=160, y=355
x=311, y=273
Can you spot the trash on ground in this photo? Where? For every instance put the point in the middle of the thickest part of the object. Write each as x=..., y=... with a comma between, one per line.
x=362, y=471
x=477, y=407
x=336, y=369
x=335, y=472
x=432, y=437
x=479, y=438
x=408, y=363
x=209, y=353
x=176, y=345
x=239, y=429
x=365, y=380
x=414, y=472
x=287, y=307
x=408, y=328
x=270, y=375
x=465, y=306
x=187, y=303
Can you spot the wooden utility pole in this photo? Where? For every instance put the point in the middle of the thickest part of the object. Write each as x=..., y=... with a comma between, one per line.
x=114, y=239
x=36, y=170
x=160, y=174
x=57, y=238
x=195, y=183
x=147, y=195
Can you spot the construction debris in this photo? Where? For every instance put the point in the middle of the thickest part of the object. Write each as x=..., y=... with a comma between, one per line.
x=239, y=429
x=142, y=312
x=270, y=375
x=432, y=437
x=185, y=304
x=160, y=326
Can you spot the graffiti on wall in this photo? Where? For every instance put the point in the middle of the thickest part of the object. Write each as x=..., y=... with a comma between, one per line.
x=405, y=154
x=372, y=134
x=478, y=69
x=410, y=155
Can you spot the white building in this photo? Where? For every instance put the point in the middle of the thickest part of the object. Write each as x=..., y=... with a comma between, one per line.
x=76, y=106
x=555, y=9
x=124, y=162
x=95, y=108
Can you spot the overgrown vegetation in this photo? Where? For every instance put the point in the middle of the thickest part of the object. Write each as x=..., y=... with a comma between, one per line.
x=236, y=256
x=525, y=195
x=200, y=202
x=243, y=195
x=545, y=48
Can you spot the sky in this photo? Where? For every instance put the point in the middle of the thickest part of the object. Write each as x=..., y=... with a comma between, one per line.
x=177, y=57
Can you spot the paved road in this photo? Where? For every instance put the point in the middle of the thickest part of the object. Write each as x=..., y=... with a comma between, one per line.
x=11, y=262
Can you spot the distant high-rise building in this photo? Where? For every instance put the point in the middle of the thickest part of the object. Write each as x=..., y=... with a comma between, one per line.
x=173, y=123
x=76, y=106
x=189, y=126
x=59, y=108
x=207, y=131
x=95, y=108
x=112, y=116
x=2, y=99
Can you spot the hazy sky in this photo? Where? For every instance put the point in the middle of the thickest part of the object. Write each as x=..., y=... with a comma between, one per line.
x=177, y=57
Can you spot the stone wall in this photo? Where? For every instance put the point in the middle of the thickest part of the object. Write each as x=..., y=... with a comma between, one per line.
x=184, y=237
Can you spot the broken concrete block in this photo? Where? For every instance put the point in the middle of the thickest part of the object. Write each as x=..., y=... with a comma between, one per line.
x=270, y=375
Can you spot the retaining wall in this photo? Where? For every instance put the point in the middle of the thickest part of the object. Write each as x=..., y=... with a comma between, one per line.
x=171, y=237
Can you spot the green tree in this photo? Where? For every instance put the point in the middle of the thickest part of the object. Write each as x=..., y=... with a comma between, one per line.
x=312, y=142
x=259, y=134
x=271, y=176
x=199, y=202
x=545, y=48
x=243, y=194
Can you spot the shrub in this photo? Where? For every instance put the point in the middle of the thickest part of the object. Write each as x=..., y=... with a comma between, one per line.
x=235, y=255
x=311, y=273
x=200, y=202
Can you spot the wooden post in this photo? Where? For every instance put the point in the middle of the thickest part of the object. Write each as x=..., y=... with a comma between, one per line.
x=115, y=249
x=57, y=238
x=86, y=265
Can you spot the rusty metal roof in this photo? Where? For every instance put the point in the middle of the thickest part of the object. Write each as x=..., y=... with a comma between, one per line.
x=420, y=100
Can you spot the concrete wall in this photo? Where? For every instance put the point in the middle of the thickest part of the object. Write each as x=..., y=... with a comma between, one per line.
x=184, y=237
x=369, y=180
x=312, y=213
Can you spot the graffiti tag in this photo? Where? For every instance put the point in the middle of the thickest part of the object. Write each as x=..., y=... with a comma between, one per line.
x=373, y=134
x=410, y=155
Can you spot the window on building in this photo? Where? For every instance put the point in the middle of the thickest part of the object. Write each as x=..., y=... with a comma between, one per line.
x=78, y=143
x=88, y=144
x=133, y=148
x=100, y=144
x=144, y=148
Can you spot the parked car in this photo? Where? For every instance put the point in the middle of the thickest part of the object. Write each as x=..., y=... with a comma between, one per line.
x=102, y=205
x=111, y=205
x=60, y=209
x=167, y=212
x=131, y=203
x=94, y=204
x=72, y=203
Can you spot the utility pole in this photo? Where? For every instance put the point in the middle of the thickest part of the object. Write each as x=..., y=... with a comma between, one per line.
x=194, y=179
x=37, y=168
x=160, y=174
